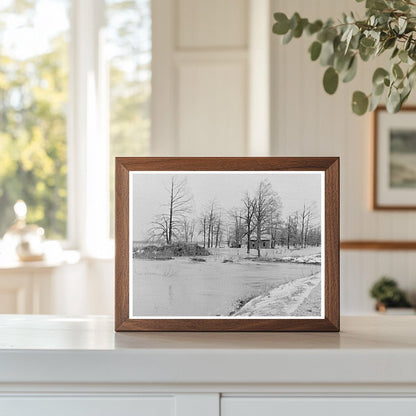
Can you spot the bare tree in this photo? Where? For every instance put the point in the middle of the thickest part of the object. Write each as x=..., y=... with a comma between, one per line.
x=305, y=219
x=204, y=227
x=169, y=225
x=218, y=231
x=292, y=229
x=266, y=202
x=209, y=223
x=249, y=209
x=159, y=229
x=314, y=236
x=235, y=238
x=188, y=230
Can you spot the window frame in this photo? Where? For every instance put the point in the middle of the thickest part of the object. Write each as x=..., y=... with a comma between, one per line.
x=87, y=132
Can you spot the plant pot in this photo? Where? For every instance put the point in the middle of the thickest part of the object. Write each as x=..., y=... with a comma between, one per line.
x=382, y=309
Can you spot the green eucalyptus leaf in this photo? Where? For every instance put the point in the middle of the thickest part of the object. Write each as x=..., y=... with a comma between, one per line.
x=403, y=56
x=379, y=75
x=327, y=54
x=359, y=103
x=315, y=50
x=411, y=78
x=367, y=42
x=404, y=96
x=342, y=62
x=408, y=42
x=376, y=4
x=400, y=5
x=294, y=20
x=355, y=41
x=393, y=101
x=395, y=52
x=366, y=53
x=402, y=22
x=412, y=52
x=378, y=89
x=298, y=30
x=288, y=37
x=412, y=70
x=374, y=101
x=330, y=80
x=389, y=43
x=397, y=71
x=322, y=36
x=351, y=71
x=314, y=27
x=282, y=26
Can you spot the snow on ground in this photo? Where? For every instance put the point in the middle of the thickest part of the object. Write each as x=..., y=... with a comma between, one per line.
x=313, y=259
x=309, y=255
x=285, y=300
x=311, y=306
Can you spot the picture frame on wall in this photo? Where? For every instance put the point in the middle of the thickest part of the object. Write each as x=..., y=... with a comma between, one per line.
x=394, y=164
x=227, y=244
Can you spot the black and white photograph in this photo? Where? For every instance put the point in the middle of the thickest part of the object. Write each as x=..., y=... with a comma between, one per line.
x=226, y=244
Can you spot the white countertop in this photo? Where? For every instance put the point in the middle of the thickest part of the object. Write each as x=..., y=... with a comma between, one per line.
x=52, y=349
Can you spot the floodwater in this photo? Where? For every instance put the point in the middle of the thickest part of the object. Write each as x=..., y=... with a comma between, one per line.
x=183, y=287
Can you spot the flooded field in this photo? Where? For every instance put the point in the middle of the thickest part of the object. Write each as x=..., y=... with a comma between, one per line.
x=186, y=287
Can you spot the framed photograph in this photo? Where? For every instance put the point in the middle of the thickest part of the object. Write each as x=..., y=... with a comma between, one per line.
x=227, y=244
x=394, y=179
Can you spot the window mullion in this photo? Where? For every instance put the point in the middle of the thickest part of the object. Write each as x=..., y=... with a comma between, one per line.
x=88, y=137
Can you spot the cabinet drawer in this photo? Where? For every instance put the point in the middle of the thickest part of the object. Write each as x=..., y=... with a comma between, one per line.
x=272, y=406
x=87, y=406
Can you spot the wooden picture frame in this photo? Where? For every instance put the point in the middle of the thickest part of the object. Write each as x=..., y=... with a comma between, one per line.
x=394, y=184
x=277, y=168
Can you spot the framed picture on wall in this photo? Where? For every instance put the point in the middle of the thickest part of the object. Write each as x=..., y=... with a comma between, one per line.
x=227, y=244
x=394, y=178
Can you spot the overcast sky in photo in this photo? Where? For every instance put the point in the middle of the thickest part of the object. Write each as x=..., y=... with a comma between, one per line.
x=151, y=192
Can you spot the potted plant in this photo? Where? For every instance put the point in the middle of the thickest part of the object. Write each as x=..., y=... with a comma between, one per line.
x=389, y=27
x=387, y=294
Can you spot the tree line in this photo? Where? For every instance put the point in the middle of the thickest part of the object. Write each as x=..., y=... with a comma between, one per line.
x=255, y=223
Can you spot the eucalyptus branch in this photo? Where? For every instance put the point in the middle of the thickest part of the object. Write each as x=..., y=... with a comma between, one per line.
x=388, y=26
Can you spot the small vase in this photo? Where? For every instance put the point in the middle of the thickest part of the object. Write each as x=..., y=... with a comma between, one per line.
x=25, y=241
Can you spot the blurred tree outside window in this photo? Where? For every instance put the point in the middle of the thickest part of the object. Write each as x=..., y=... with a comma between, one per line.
x=33, y=102
x=34, y=93
x=129, y=51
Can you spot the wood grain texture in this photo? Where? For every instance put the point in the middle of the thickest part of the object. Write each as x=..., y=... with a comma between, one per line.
x=332, y=265
x=378, y=245
x=121, y=244
x=376, y=204
x=330, y=165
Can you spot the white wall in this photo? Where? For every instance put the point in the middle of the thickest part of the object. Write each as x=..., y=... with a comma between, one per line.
x=308, y=122
x=211, y=93
x=202, y=86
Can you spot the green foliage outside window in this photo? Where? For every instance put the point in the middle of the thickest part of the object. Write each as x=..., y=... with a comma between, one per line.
x=33, y=99
x=34, y=103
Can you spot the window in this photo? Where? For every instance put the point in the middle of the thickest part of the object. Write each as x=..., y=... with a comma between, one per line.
x=33, y=99
x=75, y=87
x=129, y=43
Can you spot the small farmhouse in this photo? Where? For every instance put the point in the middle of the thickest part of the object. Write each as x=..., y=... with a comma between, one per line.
x=265, y=242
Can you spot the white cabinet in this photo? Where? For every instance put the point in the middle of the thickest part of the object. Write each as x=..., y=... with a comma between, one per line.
x=65, y=366
x=268, y=406
x=87, y=406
